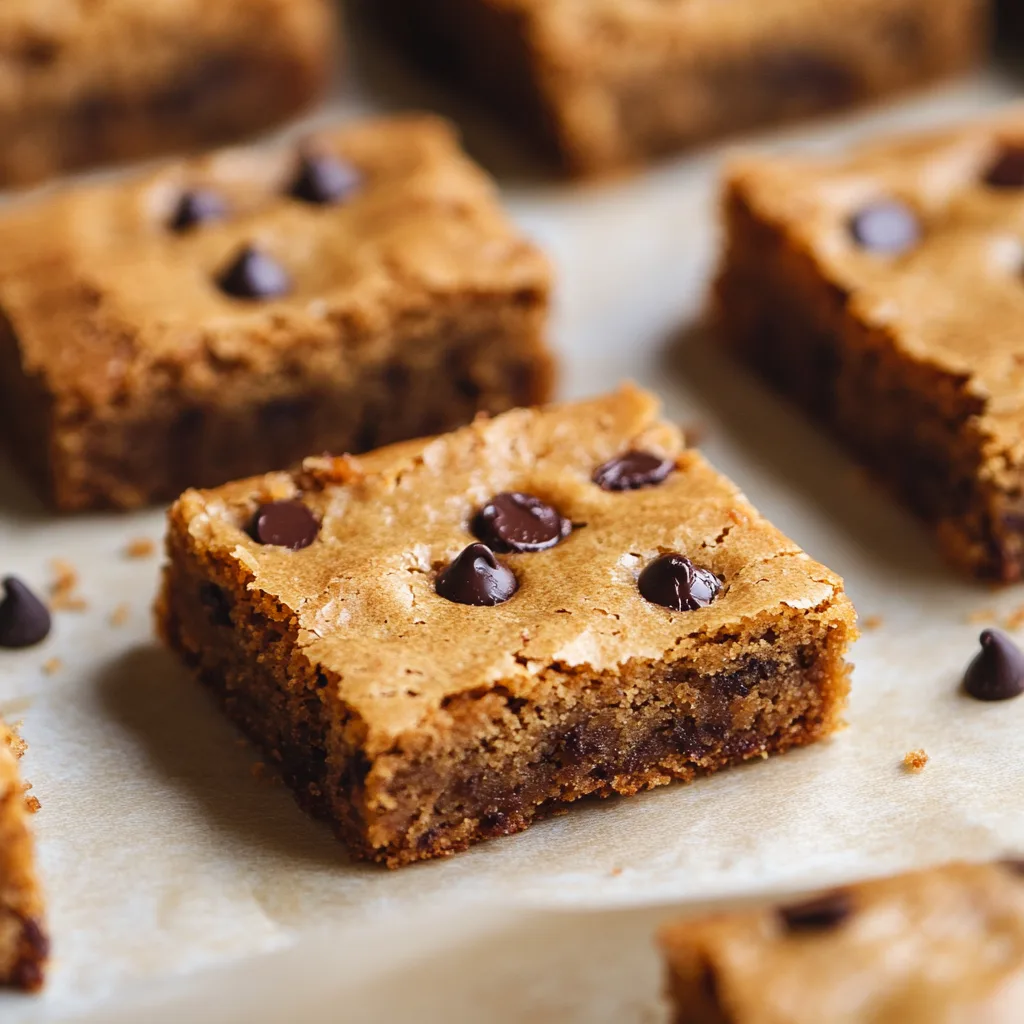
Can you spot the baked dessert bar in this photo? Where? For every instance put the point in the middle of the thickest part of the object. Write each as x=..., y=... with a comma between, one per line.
x=883, y=292
x=229, y=315
x=934, y=947
x=23, y=943
x=606, y=84
x=439, y=641
x=85, y=83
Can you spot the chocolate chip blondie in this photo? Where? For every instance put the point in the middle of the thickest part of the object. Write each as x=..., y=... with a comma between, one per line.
x=884, y=292
x=442, y=640
x=612, y=83
x=23, y=943
x=934, y=947
x=86, y=83
x=231, y=314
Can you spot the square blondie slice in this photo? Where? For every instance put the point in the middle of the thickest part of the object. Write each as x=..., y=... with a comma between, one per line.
x=231, y=314
x=91, y=83
x=24, y=946
x=607, y=84
x=441, y=641
x=884, y=292
x=931, y=947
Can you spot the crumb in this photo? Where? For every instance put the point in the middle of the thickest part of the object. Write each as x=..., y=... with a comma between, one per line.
x=62, y=590
x=915, y=760
x=1015, y=620
x=615, y=872
x=261, y=772
x=119, y=616
x=52, y=665
x=32, y=804
x=15, y=743
x=872, y=622
x=695, y=433
x=981, y=615
x=140, y=547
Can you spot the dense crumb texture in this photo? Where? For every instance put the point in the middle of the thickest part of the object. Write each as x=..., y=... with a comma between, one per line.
x=23, y=943
x=935, y=947
x=230, y=315
x=85, y=82
x=419, y=725
x=884, y=293
x=914, y=761
x=612, y=83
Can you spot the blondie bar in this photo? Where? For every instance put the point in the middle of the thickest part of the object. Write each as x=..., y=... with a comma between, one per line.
x=884, y=293
x=23, y=943
x=440, y=641
x=85, y=83
x=611, y=83
x=934, y=947
x=229, y=315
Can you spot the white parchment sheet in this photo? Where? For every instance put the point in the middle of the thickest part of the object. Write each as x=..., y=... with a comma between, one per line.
x=182, y=888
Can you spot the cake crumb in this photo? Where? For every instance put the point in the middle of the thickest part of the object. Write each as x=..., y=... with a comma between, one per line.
x=262, y=772
x=140, y=547
x=615, y=872
x=119, y=616
x=915, y=760
x=872, y=622
x=32, y=804
x=981, y=615
x=63, y=596
x=52, y=665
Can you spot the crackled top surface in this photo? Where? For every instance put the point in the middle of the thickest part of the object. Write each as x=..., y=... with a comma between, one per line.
x=936, y=947
x=953, y=299
x=100, y=288
x=363, y=592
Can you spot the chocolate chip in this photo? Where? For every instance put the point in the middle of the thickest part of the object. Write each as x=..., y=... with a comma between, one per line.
x=1008, y=169
x=254, y=275
x=632, y=470
x=512, y=522
x=216, y=603
x=324, y=179
x=476, y=577
x=823, y=913
x=997, y=671
x=887, y=226
x=673, y=581
x=24, y=619
x=198, y=206
x=286, y=524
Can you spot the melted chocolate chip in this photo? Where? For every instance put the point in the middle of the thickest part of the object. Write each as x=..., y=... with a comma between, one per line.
x=515, y=522
x=823, y=913
x=24, y=619
x=254, y=275
x=997, y=671
x=287, y=524
x=476, y=577
x=632, y=470
x=323, y=179
x=1008, y=169
x=198, y=206
x=887, y=226
x=673, y=581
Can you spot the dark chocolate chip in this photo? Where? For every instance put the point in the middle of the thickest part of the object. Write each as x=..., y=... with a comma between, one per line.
x=997, y=671
x=24, y=619
x=198, y=206
x=823, y=913
x=673, y=581
x=1008, y=169
x=216, y=603
x=514, y=522
x=886, y=226
x=476, y=577
x=253, y=274
x=287, y=524
x=324, y=179
x=632, y=470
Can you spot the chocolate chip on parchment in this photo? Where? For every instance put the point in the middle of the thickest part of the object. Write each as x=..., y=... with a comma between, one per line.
x=286, y=524
x=997, y=671
x=516, y=522
x=476, y=577
x=24, y=619
x=673, y=581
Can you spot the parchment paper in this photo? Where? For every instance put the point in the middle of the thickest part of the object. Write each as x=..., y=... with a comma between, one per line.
x=183, y=888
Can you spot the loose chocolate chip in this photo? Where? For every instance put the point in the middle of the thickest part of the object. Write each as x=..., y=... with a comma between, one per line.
x=324, y=179
x=512, y=522
x=253, y=274
x=632, y=470
x=823, y=913
x=198, y=206
x=476, y=577
x=216, y=603
x=997, y=671
x=24, y=619
x=1008, y=169
x=673, y=581
x=287, y=524
x=887, y=226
